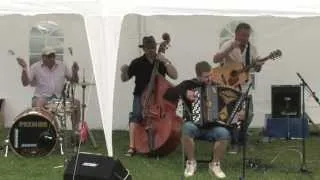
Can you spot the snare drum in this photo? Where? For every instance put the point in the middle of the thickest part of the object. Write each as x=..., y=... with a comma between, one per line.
x=33, y=133
x=57, y=105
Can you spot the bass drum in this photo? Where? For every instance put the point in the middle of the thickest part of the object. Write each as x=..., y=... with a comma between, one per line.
x=33, y=133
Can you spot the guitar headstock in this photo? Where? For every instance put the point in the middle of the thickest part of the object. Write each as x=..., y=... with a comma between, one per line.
x=275, y=54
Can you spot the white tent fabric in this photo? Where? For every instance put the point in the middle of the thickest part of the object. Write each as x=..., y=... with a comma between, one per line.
x=103, y=22
x=104, y=64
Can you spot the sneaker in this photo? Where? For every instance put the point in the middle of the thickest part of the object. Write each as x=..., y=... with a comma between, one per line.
x=214, y=167
x=191, y=167
x=131, y=152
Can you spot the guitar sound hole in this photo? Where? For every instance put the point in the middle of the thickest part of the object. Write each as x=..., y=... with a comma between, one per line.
x=233, y=73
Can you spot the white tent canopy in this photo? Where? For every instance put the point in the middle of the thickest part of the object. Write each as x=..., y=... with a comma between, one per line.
x=103, y=23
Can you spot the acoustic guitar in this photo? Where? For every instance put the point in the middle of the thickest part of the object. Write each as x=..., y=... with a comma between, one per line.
x=234, y=74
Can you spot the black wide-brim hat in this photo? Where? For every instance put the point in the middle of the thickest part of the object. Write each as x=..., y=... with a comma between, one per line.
x=148, y=42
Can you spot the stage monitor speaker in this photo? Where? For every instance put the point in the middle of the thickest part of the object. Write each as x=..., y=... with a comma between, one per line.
x=286, y=101
x=95, y=167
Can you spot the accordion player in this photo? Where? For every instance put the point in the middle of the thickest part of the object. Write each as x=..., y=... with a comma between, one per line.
x=213, y=103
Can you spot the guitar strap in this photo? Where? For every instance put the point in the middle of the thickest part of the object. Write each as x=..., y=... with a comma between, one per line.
x=248, y=55
x=247, y=61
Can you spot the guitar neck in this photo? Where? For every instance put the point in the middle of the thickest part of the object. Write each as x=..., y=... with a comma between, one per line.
x=247, y=68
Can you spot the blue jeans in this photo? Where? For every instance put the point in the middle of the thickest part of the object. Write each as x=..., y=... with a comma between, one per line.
x=212, y=134
x=136, y=115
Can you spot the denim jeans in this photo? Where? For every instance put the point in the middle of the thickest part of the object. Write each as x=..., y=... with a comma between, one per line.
x=216, y=133
x=136, y=114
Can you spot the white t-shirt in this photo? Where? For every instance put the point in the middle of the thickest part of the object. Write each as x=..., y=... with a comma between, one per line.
x=48, y=82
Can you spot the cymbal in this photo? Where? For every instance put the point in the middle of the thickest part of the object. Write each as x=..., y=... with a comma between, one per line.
x=86, y=84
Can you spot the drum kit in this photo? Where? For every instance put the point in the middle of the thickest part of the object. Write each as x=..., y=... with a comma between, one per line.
x=38, y=131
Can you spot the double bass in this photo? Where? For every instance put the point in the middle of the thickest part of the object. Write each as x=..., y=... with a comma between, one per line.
x=159, y=132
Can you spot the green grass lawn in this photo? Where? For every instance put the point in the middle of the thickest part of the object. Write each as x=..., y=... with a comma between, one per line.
x=279, y=159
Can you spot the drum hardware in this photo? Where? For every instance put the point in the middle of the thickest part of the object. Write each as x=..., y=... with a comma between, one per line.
x=61, y=133
x=83, y=105
x=61, y=145
x=237, y=107
x=6, y=142
x=54, y=106
x=61, y=108
x=84, y=84
x=66, y=110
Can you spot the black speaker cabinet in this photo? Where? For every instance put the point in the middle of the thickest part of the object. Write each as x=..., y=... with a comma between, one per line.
x=286, y=101
x=95, y=167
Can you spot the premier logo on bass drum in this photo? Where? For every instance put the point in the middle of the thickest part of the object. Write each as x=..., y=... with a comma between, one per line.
x=33, y=124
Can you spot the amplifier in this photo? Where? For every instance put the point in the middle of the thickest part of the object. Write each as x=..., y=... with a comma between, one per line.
x=286, y=101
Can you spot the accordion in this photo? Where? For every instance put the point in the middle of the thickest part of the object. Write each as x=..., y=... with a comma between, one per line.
x=214, y=105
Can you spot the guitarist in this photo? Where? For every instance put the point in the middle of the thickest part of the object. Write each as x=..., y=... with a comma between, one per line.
x=242, y=51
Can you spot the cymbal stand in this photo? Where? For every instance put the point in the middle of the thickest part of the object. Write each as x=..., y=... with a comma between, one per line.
x=243, y=99
x=92, y=139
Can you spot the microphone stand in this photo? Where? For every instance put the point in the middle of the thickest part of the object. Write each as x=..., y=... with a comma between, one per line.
x=304, y=85
x=243, y=130
x=184, y=109
x=64, y=107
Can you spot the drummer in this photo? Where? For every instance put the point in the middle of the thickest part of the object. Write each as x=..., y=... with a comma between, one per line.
x=48, y=77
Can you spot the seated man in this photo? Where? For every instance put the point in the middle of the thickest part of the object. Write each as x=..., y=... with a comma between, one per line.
x=219, y=135
x=48, y=77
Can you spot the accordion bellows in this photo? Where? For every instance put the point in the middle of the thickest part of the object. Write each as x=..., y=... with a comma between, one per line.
x=214, y=104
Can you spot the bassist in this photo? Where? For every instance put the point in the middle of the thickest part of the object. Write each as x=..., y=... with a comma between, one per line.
x=141, y=68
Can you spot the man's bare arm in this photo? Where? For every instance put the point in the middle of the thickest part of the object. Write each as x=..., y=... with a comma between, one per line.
x=218, y=57
x=171, y=71
x=124, y=73
x=24, y=74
